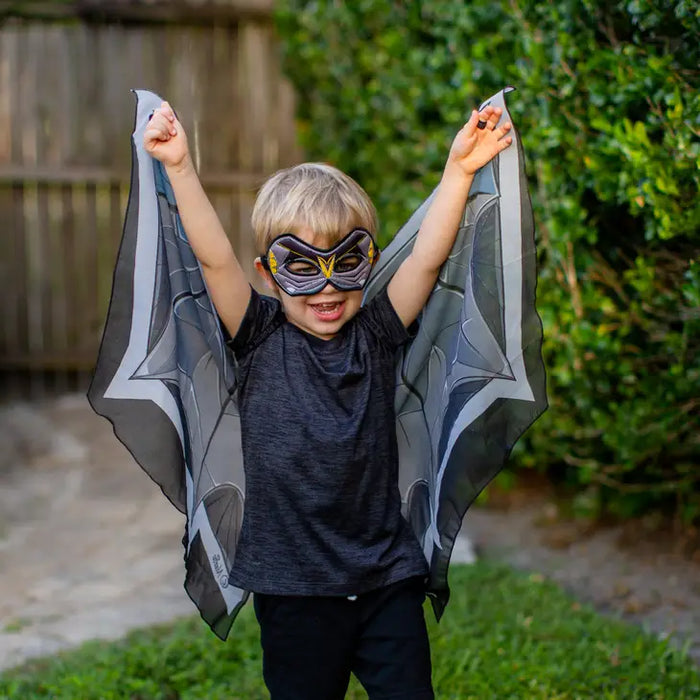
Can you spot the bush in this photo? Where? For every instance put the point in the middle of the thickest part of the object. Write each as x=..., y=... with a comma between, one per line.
x=608, y=107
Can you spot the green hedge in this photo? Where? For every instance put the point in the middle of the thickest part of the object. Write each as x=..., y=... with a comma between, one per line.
x=609, y=111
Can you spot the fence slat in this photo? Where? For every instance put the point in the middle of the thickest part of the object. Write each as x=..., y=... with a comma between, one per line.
x=9, y=312
x=7, y=80
x=45, y=267
x=58, y=309
x=17, y=233
x=70, y=264
x=88, y=242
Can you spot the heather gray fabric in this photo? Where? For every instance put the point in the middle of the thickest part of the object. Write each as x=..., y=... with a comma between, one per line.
x=467, y=386
x=323, y=509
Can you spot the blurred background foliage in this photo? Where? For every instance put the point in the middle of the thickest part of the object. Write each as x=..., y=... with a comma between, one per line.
x=608, y=108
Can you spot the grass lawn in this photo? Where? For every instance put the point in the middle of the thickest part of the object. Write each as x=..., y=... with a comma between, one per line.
x=505, y=635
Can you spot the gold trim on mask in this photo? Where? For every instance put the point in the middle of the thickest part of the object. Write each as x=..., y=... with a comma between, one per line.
x=326, y=265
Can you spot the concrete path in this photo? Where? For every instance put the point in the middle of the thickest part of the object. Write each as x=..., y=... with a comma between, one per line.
x=89, y=546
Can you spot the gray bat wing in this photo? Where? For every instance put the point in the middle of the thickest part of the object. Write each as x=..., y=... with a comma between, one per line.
x=472, y=380
x=166, y=381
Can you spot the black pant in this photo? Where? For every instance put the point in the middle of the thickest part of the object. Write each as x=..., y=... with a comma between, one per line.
x=312, y=644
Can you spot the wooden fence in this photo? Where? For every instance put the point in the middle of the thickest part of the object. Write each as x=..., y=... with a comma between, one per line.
x=66, y=115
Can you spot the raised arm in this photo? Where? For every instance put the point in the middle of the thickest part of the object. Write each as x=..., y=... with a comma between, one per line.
x=165, y=140
x=472, y=148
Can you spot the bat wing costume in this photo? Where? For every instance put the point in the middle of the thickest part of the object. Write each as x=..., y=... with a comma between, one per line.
x=468, y=385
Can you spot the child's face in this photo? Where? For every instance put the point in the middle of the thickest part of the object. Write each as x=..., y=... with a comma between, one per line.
x=322, y=314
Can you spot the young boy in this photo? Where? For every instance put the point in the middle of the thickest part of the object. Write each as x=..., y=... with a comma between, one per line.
x=337, y=575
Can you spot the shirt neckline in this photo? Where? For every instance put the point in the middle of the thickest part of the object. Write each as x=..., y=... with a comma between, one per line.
x=330, y=345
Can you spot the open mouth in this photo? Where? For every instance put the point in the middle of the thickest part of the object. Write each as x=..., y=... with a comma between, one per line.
x=328, y=311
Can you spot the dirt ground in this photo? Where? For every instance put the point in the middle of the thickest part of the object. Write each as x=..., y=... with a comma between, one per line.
x=90, y=548
x=634, y=572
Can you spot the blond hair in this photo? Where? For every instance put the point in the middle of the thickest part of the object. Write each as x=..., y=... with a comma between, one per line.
x=316, y=195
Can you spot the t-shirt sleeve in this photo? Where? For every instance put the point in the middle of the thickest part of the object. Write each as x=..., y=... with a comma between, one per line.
x=384, y=323
x=262, y=316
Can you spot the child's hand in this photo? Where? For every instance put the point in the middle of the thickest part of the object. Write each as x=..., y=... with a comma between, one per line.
x=473, y=147
x=165, y=139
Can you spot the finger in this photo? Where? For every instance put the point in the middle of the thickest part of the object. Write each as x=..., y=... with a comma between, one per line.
x=502, y=130
x=487, y=111
x=168, y=111
x=491, y=115
x=161, y=117
x=159, y=121
x=482, y=117
x=471, y=124
x=158, y=128
x=156, y=135
x=158, y=117
x=503, y=143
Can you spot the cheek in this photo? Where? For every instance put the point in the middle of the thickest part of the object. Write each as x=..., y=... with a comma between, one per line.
x=292, y=305
x=356, y=298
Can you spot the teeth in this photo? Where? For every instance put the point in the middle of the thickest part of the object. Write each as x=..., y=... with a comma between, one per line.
x=326, y=308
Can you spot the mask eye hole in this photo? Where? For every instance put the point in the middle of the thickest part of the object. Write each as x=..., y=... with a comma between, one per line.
x=302, y=267
x=348, y=263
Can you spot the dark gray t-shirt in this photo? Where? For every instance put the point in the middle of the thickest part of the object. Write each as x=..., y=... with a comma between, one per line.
x=323, y=510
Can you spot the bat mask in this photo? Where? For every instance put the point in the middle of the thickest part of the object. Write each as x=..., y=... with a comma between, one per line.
x=302, y=269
